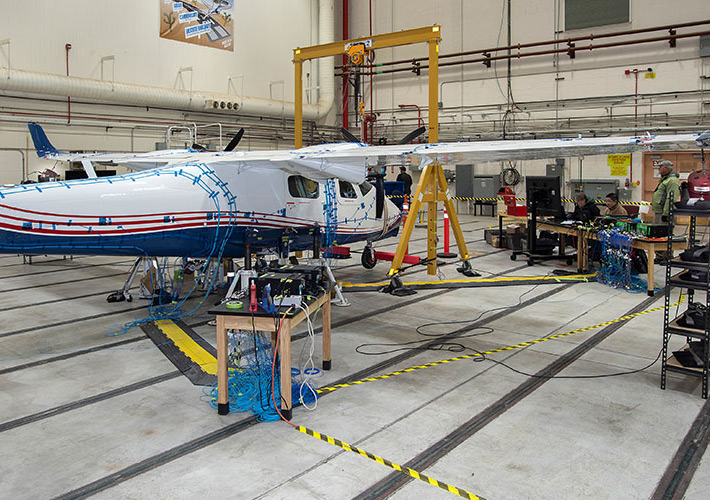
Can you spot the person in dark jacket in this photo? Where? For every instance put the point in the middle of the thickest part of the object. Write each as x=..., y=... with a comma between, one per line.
x=585, y=210
x=407, y=179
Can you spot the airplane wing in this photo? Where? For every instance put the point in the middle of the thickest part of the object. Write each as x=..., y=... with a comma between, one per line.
x=480, y=151
x=349, y=161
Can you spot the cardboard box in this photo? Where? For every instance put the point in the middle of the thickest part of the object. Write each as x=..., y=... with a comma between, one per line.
x=514, y=228
x=493, y=238
x=498, y=242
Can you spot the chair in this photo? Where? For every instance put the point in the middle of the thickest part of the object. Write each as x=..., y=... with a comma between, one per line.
x=632, y=210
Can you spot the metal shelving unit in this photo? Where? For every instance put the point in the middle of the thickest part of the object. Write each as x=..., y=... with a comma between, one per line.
x=670, y=325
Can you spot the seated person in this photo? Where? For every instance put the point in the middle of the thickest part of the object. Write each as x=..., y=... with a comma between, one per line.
x=584, y=210
x=613, y=207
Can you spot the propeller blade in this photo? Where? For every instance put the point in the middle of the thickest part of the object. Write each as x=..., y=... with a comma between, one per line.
x=235, y=140
x=412, y=135
x=349, y=136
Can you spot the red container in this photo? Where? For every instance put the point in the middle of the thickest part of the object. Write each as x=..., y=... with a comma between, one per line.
x=518, y=210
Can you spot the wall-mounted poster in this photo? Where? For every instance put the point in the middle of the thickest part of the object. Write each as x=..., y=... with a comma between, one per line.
x=201, y=22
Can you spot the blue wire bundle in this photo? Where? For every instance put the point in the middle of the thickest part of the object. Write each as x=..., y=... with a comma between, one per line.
x=615, y=268
x=250, y=378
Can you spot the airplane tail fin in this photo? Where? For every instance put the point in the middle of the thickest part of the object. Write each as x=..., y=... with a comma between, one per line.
x=42, y=145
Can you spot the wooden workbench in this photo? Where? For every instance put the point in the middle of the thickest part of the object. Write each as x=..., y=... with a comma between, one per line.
x=242, y=319
x=649, y=246
x=583, y=237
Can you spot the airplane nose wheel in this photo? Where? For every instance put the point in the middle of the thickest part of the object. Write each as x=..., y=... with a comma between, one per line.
x=368, y=258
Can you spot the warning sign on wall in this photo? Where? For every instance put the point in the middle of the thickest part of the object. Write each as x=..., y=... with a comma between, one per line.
x=619, y=164
x=200, y=22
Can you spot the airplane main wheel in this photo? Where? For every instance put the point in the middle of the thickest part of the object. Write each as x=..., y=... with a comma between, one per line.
x=368, y=258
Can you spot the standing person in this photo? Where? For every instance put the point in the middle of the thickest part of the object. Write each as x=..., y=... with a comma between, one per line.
x=407, y=179
x=613, y=207
x=667, y=192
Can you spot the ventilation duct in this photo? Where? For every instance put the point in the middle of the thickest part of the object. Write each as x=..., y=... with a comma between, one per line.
x=16, y=80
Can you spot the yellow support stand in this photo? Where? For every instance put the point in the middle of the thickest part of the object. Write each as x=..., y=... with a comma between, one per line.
x=431, y=189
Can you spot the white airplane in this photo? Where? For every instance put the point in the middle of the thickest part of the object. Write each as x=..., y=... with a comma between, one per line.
x=190, y=203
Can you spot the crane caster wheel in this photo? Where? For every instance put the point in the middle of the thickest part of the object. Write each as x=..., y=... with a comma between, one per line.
x=531, y=262
x=513, y=257
x=116, y=297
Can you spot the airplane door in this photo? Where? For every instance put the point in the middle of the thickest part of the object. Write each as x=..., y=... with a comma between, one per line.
x=303, y=200
x=348, y=200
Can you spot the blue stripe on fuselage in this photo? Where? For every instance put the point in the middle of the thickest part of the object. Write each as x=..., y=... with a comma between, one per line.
x=196, y=242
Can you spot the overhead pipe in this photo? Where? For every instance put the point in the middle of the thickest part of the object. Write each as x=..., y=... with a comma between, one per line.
x=569, y=50
x=161, y=97
x=591, y=37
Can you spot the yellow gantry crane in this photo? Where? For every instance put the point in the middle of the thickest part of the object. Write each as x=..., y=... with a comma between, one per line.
x=432, y=186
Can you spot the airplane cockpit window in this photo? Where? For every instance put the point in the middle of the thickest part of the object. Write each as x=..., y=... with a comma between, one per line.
x=365, y=187
x=301, y=187
x=347, y=190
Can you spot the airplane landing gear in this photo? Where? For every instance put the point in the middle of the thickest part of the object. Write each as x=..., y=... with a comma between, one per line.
x=368, y=258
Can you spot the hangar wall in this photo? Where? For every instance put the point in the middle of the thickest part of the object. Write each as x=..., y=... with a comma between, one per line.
x=260, y=66
x=588, y=94
x=551, y=93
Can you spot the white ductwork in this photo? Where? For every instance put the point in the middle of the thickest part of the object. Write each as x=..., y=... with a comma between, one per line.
x=16, y=80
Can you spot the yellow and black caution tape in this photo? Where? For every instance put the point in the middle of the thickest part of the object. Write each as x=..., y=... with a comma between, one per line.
x=325, y=390
x=464, y=281
x=570, y=200
x=387, y=463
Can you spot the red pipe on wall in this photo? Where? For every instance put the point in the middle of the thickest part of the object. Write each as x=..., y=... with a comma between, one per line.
x=67, y=48
x=346, y=89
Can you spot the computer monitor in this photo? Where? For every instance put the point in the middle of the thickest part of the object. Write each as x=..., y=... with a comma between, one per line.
x=547, y=194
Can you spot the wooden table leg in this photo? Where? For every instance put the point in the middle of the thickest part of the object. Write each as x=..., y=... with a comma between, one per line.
x=285, y=355
x=222, y=368
x=326, y=332
x=651, y=254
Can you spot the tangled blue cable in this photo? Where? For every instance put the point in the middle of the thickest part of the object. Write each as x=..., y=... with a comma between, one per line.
x=616, y=269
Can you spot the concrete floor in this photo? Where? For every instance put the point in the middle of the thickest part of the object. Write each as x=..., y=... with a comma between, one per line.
x=87, y=414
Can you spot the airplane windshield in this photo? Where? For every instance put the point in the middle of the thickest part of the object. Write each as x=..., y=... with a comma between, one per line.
x=347, y=190
x=365, y=187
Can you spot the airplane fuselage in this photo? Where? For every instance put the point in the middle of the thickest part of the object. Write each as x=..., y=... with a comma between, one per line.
x=190, y=210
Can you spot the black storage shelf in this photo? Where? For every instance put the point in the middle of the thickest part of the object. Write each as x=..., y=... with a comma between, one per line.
x=689, y=212
x=690, y=285
x=684, y=264
x=671, y=326
x=675, y=329
x=673, y=366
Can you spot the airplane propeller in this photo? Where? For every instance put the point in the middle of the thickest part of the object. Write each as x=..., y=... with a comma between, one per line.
x=412, y=135
x=404, y=140
x=235, y=140
x=348, y=135
x=379, y=193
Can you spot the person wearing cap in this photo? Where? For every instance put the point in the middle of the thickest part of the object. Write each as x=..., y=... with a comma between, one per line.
x=613, y=207
x=667, y=192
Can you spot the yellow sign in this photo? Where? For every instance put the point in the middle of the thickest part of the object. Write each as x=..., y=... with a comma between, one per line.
x=619, y=164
